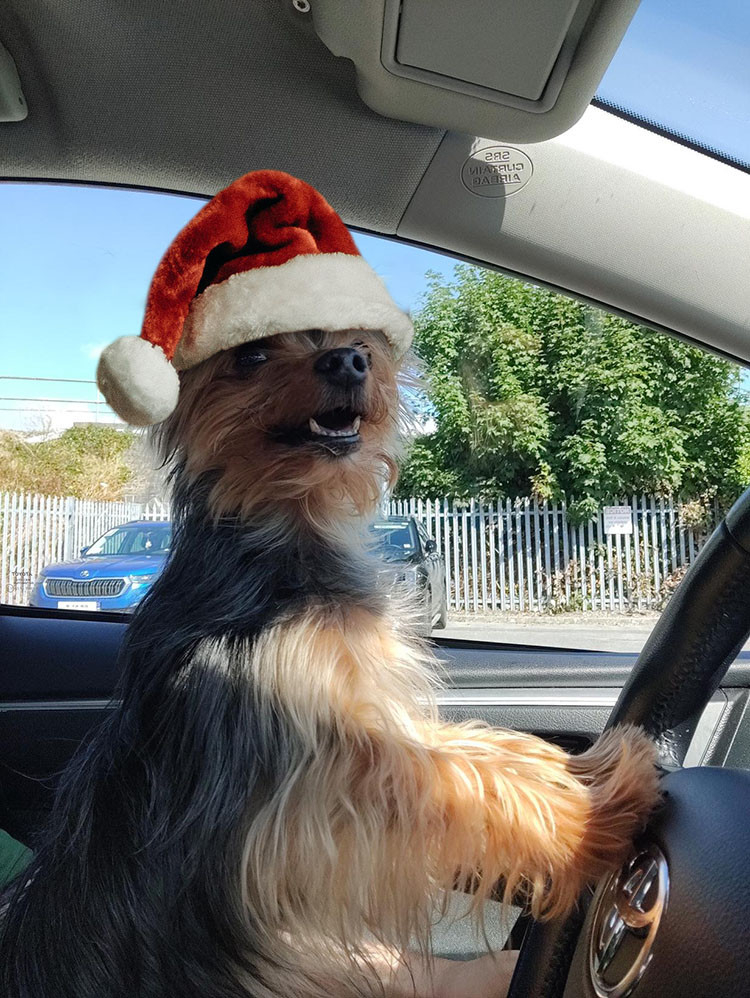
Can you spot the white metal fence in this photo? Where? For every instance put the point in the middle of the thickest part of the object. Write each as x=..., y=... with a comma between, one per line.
x=513, y=555
x=37, y=530
x=524, y=556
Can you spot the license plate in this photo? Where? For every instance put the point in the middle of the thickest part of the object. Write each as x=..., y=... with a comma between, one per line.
x=66, y=604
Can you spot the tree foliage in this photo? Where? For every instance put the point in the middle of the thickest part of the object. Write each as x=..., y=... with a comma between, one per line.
x=534, y=393
x=86, y=461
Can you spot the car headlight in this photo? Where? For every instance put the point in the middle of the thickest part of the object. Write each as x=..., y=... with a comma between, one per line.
x=143, y=580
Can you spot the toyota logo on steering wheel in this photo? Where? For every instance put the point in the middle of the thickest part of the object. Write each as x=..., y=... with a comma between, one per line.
x=627, y=911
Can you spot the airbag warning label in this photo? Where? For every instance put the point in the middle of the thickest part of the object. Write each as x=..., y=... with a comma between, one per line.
x=496, y=171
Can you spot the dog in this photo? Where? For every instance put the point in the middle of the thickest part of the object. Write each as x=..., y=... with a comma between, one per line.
x=275, y=790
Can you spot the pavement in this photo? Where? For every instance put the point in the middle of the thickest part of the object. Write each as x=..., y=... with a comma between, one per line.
x=627, y=634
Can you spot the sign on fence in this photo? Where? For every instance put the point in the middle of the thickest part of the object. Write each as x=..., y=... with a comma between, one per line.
x=618, y=519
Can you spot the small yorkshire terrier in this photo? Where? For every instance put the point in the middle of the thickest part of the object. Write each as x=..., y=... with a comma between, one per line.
x=274, y=803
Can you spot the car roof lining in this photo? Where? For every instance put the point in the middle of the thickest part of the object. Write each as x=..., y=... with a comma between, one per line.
x=190, y=111
x=220, y=89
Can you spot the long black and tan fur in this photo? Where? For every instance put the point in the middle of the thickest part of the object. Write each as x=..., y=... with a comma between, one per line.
x=274, y=791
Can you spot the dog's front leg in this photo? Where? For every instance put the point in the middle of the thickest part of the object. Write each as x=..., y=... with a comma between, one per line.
x=522, y=812
x=381, y=808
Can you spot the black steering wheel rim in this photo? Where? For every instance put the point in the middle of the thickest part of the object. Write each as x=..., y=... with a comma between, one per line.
x=689, y=651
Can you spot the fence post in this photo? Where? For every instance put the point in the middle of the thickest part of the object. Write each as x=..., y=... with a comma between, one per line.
x=456, y=562
x=601, y=555
x=482, y=520
x=591, y=550
x=508, y=526
x=69, y=527
x=549, y=581
x=474, y=535
x=579, y=538
x=501, y=549
x=447, y=554
x=663, y=543
x=568, y=561
x=493, y=555
x=31, y=566
x=655, y=549
x=465, y=554
x=4, y=550
x=529, y=562
x=518, y=514
x=537, y=544
x=681, y=532
x=627, y=539
x=609, y=570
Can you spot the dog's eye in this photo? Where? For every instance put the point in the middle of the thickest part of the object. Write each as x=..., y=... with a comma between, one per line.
x=248, y=356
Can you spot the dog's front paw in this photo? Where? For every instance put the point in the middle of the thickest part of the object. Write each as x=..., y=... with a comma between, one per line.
x=619, y=772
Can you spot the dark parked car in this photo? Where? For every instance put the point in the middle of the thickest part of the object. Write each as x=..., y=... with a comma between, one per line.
x=404, y=543
x=113, y=573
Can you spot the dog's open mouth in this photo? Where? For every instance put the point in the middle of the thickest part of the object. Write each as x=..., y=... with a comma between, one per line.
x=335, y=424
x=335, y=430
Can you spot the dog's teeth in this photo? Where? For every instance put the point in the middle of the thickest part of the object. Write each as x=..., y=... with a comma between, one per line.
x=324, y=431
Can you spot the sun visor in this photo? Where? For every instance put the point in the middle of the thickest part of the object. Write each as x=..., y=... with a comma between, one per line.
x=12, y=101
x=521, y=72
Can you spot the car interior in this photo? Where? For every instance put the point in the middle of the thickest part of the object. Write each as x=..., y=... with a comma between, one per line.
x=396, y=111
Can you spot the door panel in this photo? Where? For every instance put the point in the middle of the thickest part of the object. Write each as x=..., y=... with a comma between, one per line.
x=58, y=673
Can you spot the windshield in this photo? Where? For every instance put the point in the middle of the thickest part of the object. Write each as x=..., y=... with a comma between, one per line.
x=683, y=65
x=562, y=466
x=132, y=540
x=395, y=541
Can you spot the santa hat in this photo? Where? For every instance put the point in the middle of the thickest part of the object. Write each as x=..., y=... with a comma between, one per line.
x=267, y=255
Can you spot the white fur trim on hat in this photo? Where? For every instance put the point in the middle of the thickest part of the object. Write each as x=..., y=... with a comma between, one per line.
x=138, y=381
x=328, y=291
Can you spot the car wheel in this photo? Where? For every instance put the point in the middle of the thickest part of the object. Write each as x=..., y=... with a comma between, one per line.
x=427, y=610
x=441, y=620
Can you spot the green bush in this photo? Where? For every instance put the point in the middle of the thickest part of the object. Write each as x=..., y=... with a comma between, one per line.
x=86, y=461
x=536, y=394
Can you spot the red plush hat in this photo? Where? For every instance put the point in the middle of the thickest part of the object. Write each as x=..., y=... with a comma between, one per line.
x=267, y=255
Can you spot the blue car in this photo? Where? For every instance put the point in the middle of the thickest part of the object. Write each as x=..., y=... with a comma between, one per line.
x=114, y=573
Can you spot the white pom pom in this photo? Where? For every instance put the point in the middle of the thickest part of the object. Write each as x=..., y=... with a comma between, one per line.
x=138, y=381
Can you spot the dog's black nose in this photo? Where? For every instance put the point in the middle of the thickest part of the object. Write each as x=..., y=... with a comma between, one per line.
x=344, y=367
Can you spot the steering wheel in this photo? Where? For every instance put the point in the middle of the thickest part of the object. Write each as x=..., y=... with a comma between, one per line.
x=673, y=922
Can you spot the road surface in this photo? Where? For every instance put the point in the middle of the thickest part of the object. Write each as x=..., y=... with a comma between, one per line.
x=628, y=635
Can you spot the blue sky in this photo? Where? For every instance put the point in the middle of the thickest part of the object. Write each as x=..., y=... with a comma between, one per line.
x=75, y=262
x=686, y=64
